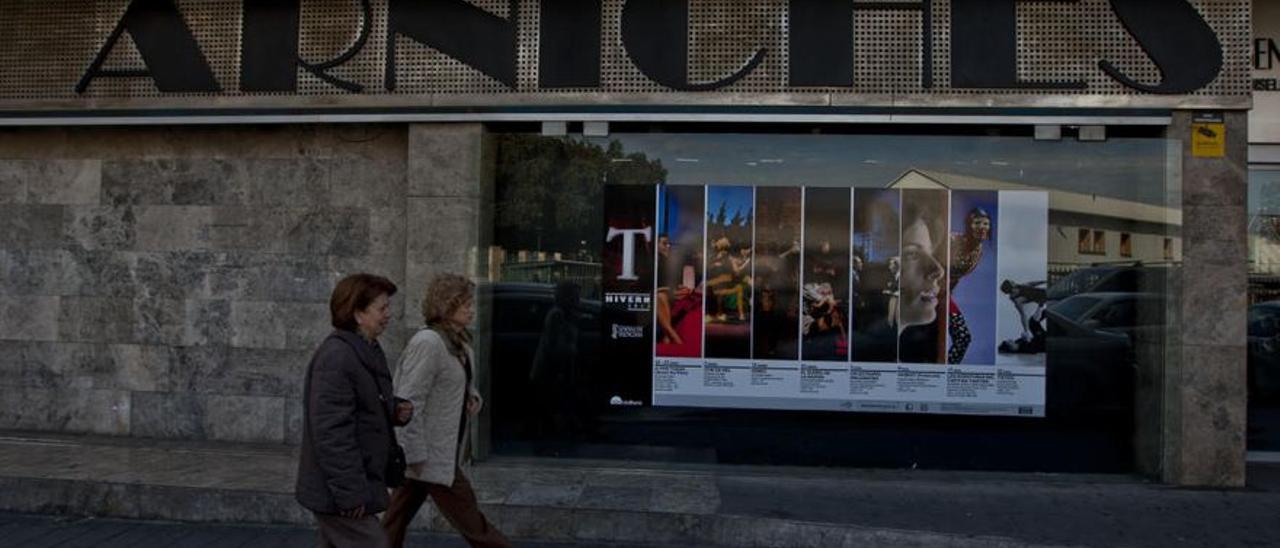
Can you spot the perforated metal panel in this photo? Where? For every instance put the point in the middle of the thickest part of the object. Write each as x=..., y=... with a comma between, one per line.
x=46, y=46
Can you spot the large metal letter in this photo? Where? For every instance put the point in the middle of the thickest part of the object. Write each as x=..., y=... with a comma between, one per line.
x=1177, y=39
x=269, y=57
x=821, y=48
x=458, y=29
x=656, y=35
x=169, y=50
x=984, y=46
x=269, y=50
x=569, y=44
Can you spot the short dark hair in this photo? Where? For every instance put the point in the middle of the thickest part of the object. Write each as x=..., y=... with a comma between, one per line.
x=354, y=293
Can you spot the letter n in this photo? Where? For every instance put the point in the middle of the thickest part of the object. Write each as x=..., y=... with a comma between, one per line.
x=458, y=29
x=169, y=50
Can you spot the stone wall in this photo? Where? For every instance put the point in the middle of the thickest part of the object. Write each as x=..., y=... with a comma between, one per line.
x=172, y=282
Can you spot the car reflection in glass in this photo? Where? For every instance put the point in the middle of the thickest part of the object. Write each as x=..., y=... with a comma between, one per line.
x=1264, y=352
x=1095, y=342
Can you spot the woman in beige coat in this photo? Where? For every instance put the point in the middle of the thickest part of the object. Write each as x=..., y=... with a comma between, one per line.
x=436, y=374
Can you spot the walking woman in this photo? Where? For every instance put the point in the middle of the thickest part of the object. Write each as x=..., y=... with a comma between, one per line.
x=346, y=458
x=436, y=375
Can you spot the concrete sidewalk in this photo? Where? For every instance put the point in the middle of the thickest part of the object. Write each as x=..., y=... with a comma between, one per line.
x=687, y=505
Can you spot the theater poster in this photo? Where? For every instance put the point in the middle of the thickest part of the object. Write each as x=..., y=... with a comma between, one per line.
x=630, y=244
x=829, y=298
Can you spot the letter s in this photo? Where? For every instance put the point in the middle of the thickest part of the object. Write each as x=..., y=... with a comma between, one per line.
x=1177, y=39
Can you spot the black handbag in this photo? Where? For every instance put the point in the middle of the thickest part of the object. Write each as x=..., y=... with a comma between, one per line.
x=396, y=465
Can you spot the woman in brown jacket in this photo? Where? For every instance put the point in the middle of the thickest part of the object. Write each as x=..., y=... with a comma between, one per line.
x=436, y=374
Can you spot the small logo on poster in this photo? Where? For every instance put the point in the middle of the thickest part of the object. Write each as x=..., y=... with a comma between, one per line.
x=628, y=331
x=632, y=302
x=617, y=400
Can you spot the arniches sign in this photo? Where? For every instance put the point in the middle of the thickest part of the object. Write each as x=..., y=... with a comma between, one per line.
x=109, y=53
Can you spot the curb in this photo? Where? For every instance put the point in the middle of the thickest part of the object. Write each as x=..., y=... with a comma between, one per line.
x=217, y=505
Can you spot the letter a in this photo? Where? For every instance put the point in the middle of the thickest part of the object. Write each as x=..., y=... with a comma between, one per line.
x=168, y=48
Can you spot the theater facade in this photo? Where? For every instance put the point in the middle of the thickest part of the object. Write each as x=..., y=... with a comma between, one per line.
x=952, y=234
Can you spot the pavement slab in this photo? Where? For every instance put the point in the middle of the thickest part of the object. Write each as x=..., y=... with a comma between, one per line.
x=211, y=486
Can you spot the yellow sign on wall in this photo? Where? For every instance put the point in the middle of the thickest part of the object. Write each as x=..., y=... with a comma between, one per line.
x=1208, y=136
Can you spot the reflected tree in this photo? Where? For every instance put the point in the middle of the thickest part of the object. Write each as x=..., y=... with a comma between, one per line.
x=550, y=191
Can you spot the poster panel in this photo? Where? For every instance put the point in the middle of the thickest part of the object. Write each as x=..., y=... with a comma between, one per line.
x=679, y=272
x=850, y=300
x=727, y=302
x=876, y=233
x=1022, y=270
x=627, y=306
x=922, y=277
x=824, y=311
x=971, y=312
x=776, y=316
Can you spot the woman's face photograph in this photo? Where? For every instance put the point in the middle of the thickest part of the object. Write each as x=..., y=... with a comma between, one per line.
x=921, y=278
x=980, y=227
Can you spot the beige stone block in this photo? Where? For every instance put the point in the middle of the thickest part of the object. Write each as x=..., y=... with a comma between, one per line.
x=173, y=228
x=1214, y=301
x=1214, y=233
x=387, y=231
x=1212, y=430
x=443, y=236
x=244, y=418
x=25, y=318
x=445, y=160
x=258, y=325
x=71, y=182
x=140, y=367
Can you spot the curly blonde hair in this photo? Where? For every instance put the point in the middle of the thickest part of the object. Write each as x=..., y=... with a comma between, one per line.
x=445, y=293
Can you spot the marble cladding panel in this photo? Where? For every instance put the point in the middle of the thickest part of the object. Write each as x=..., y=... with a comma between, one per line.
x=301, y=183
x=293, y=426
x=298, y=183
x=172, y=228
x=1214, y=302
x=29, y=318
x=290, y=141
x=443, y=235
x=175, y=274
x=445, y=160
x=1214, y=234
x=13, y=182
x=279, y=325
x=333, y=231
x=362, y=182
x=72, y=182
x=173, y=181
x=387, y=231
x=238, y=371
x=191, y=267
x=268, y=277
x=342, y=231
x=65, y=410
x=210, y=417
x=1214, y=415
x=84, y=365
x=143, y=320
x=32, y=226
x=101, y=227
x=244, y=418
x=36, y=272
x=95, y=273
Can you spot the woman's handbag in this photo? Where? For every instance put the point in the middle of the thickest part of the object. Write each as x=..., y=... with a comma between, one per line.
x=395, y=464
